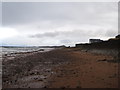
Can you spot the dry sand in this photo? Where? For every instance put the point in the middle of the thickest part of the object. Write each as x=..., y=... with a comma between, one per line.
x=61, y=68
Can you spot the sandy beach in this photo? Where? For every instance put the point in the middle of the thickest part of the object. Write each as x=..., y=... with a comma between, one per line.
x=60, y=68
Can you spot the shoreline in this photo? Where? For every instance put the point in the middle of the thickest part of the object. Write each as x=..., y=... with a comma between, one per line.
x=78, y=69
x=12, y=55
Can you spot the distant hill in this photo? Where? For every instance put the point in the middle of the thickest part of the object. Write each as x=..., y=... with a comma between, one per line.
x=109, y=47
x=113, y=43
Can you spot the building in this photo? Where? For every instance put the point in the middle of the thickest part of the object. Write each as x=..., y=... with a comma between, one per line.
x=95, y=40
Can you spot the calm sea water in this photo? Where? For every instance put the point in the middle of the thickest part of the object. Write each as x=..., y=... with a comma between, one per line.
x=22, y=49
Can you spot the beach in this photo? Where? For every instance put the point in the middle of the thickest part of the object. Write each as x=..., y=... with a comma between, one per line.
x=60, y=68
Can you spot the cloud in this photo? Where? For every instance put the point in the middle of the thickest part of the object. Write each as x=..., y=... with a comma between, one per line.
x=76, y=12
x=65, y=41
x=111, y=33
x=54, y=23
x=48, y=34
x=0, y=13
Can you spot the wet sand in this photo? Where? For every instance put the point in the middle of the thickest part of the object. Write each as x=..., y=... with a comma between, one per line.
x=60, y=68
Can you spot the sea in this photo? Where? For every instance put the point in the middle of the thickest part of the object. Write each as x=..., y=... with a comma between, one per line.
x=9, y=50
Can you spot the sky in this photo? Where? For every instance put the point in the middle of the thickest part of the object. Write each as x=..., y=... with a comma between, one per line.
x=57, y=23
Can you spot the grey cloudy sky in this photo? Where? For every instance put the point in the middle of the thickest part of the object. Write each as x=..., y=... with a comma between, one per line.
x=57, y=23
